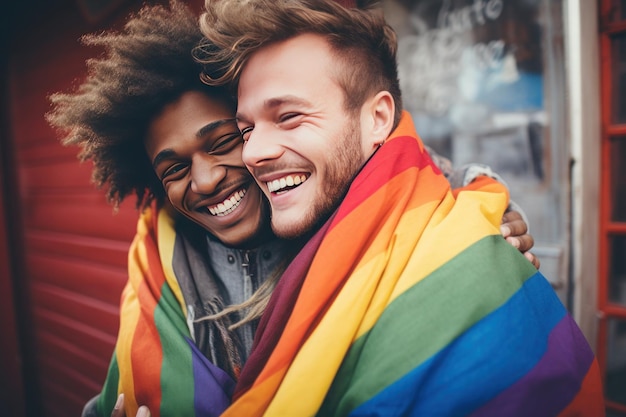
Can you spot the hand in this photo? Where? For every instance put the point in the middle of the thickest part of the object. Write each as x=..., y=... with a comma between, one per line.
x=515, y=231
x=118, y=410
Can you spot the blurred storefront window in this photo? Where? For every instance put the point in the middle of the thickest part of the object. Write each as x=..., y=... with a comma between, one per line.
x=485, y=82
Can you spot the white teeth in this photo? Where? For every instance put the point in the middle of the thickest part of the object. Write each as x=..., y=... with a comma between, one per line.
x=288, y=181
x=228, y=205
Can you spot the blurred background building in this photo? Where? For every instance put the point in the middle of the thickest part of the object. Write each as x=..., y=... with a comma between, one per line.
x=536, y=89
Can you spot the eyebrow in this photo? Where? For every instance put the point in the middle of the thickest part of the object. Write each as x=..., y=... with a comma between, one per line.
x=278, y=101
x=162, y=156
x=201, y=133
x=204, y=130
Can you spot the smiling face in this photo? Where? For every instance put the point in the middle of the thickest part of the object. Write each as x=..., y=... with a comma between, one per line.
x=302, y=146
x=195, y=147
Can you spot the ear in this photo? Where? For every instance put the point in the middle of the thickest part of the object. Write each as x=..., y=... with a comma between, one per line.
x=377, y=121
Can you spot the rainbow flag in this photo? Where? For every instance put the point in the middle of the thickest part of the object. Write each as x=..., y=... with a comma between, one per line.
x=155, y=362
x=409, y=302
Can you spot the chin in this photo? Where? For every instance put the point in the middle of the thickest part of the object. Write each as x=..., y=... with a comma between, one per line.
x=236, y=238
x=250, y=235
x=292, y=230
x=302, y=225
x=234, y=243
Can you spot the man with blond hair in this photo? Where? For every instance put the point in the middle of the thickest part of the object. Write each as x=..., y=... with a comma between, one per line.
x=406, y=300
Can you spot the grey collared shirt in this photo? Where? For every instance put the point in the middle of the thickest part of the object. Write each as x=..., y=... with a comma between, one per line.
x=240, y=272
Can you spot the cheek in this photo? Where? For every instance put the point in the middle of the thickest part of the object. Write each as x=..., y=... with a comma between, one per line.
x=325, y=157
x=174, y=193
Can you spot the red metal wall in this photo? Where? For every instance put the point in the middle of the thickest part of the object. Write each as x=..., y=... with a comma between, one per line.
x=73, y=246
x=11, y=381
x=75, y=249
x=62, y=249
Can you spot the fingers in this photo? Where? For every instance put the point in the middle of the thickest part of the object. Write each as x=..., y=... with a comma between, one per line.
x=523, y=243
x=532, y=258
x=512, y=215
x=515, y=231
x=118, y=409
x=513, y=224
x=143, y=411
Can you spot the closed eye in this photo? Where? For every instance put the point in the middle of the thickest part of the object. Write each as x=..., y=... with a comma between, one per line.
x=245, y=132
x=226, y=143
x=173, y=172
x=290, y=120
x=286, y=117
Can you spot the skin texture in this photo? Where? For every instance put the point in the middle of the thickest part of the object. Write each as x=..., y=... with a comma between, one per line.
x=195, y=147
x=202, y=171
x=118, y=410
x=515, y=231
x=291, y=116
x=295, y=125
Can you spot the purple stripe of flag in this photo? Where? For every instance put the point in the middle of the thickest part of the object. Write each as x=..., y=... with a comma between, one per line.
x=552, y=388
x=212, y=386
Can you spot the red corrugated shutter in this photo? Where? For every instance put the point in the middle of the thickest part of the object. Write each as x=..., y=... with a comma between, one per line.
x=75, y=247
x=71, y=246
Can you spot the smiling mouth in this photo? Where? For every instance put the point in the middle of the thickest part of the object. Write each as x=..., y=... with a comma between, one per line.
x=229, y=205
x=286, y=183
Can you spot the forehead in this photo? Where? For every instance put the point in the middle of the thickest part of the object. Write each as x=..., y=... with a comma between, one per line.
x=184, y=118
x=302, y=66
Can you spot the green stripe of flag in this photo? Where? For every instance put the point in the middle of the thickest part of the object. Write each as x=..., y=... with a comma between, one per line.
x=427, y=317
x=177, y=359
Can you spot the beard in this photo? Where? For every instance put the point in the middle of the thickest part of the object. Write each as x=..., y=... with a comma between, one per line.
x=345, y=161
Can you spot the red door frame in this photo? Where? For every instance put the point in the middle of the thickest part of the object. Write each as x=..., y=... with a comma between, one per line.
x=608, y=228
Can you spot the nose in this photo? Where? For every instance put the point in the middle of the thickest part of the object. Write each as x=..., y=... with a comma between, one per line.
x=262, y=147
x=206, y=173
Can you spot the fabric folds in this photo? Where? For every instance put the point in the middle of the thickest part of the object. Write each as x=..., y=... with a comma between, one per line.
x=409, y=302
x=156, y=362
